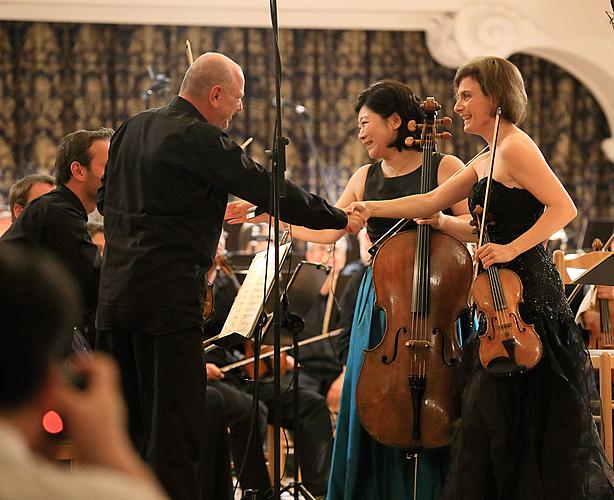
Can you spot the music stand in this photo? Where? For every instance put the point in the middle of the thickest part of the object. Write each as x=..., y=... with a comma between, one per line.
x=600, y=273
x=300, y=294
x=594, y=228
x=248, y=308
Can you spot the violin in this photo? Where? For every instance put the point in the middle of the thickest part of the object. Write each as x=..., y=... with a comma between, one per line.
x=421, y=279
x=220, y=263
x=598, y=318
x=265, y=365
x=508, y=345
x=209, y=307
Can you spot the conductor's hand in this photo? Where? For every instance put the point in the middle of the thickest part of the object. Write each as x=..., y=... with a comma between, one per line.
x=356, y=221
x=237, y=210
x=492, y=253
x=213, y=372
x=359, y=207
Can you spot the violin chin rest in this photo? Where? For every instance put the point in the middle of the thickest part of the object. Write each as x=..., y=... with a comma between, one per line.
x=504, y=367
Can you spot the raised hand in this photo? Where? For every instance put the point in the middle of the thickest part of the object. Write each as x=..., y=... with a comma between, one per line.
x=259, y=219
x=236, y=211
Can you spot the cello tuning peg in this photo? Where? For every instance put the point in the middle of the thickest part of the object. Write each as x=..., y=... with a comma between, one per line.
x=446, y=121
x=410, y=141
x=446, y=136
x=411, y=126
x=473, y=222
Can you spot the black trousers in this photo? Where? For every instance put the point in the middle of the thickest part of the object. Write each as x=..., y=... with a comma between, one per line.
x=250, y=464
x=217, y=481
x=314, y=437
x=164, y=382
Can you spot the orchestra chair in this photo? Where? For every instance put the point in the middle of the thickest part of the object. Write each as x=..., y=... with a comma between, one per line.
x=285, y=443
x=581, y=262
x=602, y=362
x=601, y=359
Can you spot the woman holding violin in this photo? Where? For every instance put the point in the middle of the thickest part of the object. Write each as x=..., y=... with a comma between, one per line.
x=528, y=434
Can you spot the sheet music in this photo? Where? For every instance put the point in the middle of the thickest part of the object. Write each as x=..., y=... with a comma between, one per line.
x=247, y=307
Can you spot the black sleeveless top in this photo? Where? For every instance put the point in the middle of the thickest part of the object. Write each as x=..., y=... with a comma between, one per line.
x=378, y=187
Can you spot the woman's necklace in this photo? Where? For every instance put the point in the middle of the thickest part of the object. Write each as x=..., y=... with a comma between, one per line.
x=407, y=167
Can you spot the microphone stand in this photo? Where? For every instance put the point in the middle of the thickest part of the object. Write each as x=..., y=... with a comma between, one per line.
x=278, y=168
x=278, y=158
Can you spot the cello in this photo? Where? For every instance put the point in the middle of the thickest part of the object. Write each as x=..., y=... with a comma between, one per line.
x=598, y=318
x=421, y=279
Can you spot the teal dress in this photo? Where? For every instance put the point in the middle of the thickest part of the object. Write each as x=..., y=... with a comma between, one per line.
x=362, y=468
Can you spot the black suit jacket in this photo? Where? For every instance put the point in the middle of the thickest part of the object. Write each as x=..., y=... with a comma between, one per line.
x=163, y=196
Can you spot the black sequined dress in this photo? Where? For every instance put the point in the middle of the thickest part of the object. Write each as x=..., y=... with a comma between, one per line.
x=529, y=436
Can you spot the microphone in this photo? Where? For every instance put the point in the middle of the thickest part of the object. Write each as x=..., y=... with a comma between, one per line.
x=299, y=109
x=160, y=82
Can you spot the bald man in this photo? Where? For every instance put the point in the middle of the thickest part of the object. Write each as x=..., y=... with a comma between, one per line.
x=164, y=194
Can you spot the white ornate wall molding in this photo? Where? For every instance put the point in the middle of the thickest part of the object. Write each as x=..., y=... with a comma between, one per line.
x=479, y=29
x=580, y=42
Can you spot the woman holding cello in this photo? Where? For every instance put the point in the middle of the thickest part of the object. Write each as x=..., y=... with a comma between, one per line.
x=362, y=467
x=525, y=431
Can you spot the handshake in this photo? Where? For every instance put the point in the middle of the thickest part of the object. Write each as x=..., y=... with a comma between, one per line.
x=358, y=214
x=238, y=212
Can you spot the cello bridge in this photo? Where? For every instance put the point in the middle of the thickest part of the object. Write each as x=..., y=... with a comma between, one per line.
x=418, y=344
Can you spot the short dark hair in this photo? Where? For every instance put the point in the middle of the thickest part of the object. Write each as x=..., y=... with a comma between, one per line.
x=390, y=96
x=38, y=305
x=74, y=147
x=19, y=192
x=499, y=79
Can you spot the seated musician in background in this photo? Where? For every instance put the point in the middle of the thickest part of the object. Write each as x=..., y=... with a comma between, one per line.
x=323, y=362
x=217, y=470
x=314, y=422
x=319, y=363
x=96, y=232
x=56, y=221
x=347, y=304
x=599, y=334
x=27, y=189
